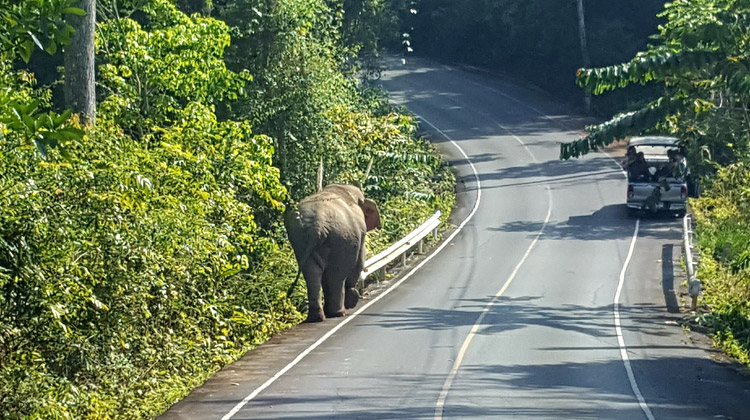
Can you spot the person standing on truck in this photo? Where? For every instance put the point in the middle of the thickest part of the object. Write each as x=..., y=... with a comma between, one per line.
x=680, y=169
x=676, y=167
x=638, y=170
x=667, y=171
x=629, y=157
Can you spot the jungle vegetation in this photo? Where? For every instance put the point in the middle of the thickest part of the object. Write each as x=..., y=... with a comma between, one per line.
x=141, y=252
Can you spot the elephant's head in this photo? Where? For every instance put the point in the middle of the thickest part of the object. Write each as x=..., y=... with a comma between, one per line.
x=353, y=194
x=372, y=215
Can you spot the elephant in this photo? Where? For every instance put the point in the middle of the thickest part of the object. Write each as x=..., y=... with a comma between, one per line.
x=327, y=231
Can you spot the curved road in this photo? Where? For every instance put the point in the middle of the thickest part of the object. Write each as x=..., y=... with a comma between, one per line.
x=546, y=303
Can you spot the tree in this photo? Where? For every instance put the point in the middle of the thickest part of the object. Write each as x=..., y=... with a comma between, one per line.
x=702, y=65
x=80, y=95
x=24, y=27
x=584, y=50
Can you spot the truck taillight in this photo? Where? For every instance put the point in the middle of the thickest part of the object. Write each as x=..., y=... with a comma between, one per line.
x=683, y=191
x=630, y=190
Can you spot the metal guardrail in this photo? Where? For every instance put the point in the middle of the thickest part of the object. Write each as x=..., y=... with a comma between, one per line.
x=694, y=284
x=400, y=248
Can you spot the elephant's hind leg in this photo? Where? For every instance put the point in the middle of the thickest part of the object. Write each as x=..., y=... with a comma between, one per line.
x=313, y=274
x=351, y=295
x=333, y=292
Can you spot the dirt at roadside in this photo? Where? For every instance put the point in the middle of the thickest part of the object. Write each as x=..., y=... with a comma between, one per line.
x=616, y=149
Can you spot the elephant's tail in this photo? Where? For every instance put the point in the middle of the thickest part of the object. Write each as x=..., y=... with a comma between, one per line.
x=300, y=262
x=299, y=236
x=294, y=283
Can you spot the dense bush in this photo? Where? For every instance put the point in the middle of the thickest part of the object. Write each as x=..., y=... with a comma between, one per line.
x=724, y=241
x=292, y=49
x=128, y=266
x=149, y=75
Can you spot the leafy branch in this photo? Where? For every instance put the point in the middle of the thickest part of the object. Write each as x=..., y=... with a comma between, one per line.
x=703, y=63
x=631, y=123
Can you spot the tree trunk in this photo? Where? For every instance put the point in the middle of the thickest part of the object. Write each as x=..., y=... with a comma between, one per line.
x=584, y=52
x=80, y=95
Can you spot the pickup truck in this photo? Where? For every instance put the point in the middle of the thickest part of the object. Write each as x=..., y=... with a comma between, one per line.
x=657, y=175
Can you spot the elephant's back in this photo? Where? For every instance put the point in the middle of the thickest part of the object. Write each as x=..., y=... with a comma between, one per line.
x=333, y=218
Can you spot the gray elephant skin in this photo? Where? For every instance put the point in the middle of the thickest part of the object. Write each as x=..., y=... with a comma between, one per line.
x=327, y=231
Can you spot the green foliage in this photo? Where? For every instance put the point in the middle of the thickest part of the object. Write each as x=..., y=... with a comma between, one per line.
x=150, y=76
x=26, y=25
x=141, y=254
x=45, y=130
x=702, y=64
x=292, y=48
x=23, y=115
x=631, y=123
x=134, y=270
x=130, y=264
x=369, y=25
x=724, y=240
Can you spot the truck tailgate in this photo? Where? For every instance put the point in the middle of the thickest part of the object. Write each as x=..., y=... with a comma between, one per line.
x=639, y=192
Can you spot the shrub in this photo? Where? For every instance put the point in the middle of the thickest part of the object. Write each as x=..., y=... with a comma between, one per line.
x=130, y=264
x=149, y=75
x=724, y=242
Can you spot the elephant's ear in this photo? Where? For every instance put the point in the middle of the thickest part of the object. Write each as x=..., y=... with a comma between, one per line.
x=372, y=215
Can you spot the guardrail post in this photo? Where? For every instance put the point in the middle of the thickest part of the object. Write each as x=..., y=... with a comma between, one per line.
x=694, y=284
x=420, y=247
x=694, y=288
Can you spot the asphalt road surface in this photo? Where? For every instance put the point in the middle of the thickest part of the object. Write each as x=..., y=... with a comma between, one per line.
x=547, y=302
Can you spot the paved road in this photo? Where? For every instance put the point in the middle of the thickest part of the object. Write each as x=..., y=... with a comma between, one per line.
x=547, y=303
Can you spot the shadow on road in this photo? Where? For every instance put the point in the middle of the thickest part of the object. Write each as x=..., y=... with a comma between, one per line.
x=667, y=275
x=556, y=173
x=510, y=314
x=593, y=390
x=608, y=223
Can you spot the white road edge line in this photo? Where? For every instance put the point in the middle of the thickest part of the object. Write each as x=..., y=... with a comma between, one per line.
x=349, y=318
x=618, y=329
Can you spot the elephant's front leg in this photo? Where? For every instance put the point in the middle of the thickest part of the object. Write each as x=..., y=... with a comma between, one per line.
x=313, y=275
